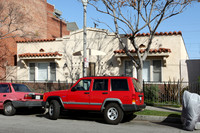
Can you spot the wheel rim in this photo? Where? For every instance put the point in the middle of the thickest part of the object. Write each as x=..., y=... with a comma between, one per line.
x=51, y=110
x=8, y=109
x=112, y=113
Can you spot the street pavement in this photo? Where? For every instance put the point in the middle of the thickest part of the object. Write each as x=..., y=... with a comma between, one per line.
x=82, y=123
x=88, y=123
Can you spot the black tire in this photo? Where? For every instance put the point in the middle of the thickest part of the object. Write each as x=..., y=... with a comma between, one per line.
x=9, y=109
x=54, y=110
x=113, y=114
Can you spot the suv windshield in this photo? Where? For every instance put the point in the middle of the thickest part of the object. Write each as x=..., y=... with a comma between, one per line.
x=137, y=85
x=20, y=88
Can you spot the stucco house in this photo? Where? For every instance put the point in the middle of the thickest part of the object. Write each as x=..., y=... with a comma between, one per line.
x=42, y=21
x=61, y=58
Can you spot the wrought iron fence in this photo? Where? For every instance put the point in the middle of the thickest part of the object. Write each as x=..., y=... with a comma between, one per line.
x=43, y=86
x=162, y=93
x=168, y=93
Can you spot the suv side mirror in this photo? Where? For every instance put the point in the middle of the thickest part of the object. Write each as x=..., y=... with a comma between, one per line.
x=74, y=89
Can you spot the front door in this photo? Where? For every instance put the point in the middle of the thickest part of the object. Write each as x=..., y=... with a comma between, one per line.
x=78, y=97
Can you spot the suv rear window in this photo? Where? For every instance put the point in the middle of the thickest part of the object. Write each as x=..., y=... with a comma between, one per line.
x=119, y=85
x=137, y=85
x=100, y=85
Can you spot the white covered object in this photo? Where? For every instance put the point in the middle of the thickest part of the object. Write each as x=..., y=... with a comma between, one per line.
x=191, y=110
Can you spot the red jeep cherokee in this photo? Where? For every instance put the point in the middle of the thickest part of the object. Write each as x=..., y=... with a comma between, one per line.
x=114, y=96
x=13, y=96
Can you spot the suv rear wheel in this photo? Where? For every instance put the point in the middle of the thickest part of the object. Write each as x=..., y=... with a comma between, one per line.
x=9, y=109
x=113, y=114
x=54, y=110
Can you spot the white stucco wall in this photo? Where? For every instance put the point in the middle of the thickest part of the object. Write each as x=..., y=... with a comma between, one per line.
x=104, y=41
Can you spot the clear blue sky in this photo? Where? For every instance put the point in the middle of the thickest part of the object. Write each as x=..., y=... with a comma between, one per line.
x=188, y=22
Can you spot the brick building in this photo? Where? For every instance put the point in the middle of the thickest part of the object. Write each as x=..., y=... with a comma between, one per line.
x=44, y=23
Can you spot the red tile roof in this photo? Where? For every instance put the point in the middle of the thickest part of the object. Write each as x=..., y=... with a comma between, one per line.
x=160, y=50
x=157, y=34
x=37, y=40
x=39, y=54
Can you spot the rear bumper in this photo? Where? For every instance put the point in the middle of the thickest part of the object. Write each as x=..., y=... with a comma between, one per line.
x=19, y=104
x=43, y=104
x=133, y=107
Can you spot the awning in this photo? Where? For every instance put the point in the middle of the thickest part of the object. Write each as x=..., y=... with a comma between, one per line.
x=160, y=52
x=51, y=55
x=89, y=52
x=55, y=56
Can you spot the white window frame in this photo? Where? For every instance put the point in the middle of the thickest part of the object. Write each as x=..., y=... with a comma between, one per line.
x=134, y=74
x=161, y=70
x=150, y=69
x=36, y=70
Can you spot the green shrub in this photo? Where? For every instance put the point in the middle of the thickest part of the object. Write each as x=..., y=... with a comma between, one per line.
x=151, y=93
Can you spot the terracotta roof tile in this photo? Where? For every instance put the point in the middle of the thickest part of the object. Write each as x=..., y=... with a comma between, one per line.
x=157, y=34
x=37, y=40
x=39, y=54
x=160, y=50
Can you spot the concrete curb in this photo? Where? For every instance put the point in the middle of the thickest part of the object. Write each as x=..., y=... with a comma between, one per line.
x=157, y=118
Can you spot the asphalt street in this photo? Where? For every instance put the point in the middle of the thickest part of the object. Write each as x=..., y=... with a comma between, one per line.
x=80, y=123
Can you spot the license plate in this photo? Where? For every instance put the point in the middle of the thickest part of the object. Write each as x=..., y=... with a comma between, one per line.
x=37, y=97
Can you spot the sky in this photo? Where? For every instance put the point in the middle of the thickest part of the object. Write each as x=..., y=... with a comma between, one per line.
x=188, y=22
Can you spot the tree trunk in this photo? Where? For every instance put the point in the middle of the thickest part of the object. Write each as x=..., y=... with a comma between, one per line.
x=139, y=73
x=139, y=76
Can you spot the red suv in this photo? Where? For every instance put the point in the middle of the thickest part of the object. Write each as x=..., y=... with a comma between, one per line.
x=13, y=96
x=114, y=96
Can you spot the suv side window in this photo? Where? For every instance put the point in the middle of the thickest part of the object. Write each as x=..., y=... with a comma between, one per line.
x=83, y=85
x=4, y=88
x=100, y=85
x=119, y=85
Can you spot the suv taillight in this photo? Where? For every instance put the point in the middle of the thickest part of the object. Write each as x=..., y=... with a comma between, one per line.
x=133, y=98
x=27, y=96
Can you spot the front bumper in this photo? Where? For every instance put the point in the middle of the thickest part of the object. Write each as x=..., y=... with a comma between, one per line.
x=19, y=104
x=133, y=107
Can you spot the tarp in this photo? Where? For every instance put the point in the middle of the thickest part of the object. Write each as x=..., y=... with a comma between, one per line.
x=191, y=110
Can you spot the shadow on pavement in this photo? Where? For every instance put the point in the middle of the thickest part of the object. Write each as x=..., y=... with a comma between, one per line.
x=27, y=111
x=78, y=115
x=172, y=121
x=86, y=116
x=31, y=111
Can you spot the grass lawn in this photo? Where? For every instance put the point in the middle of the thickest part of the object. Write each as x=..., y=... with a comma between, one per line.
x=158, y=113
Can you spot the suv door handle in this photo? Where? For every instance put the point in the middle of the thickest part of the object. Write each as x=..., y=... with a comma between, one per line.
x=104, y=92
x=86, y=93
x=4, y=95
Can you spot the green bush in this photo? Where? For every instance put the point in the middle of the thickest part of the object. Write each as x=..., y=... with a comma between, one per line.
x=151, y=93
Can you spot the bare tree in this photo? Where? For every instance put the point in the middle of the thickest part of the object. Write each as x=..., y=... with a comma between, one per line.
x=14, y=21
x=136, y=16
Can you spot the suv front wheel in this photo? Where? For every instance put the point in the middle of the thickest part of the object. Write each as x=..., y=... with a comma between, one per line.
x=54, y=110
x=113, y=113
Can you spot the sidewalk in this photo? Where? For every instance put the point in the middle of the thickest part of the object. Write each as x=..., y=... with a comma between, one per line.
x=166, y=109
x=160, y=118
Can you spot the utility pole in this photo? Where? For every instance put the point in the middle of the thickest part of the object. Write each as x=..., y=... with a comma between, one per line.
x=85, y=59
